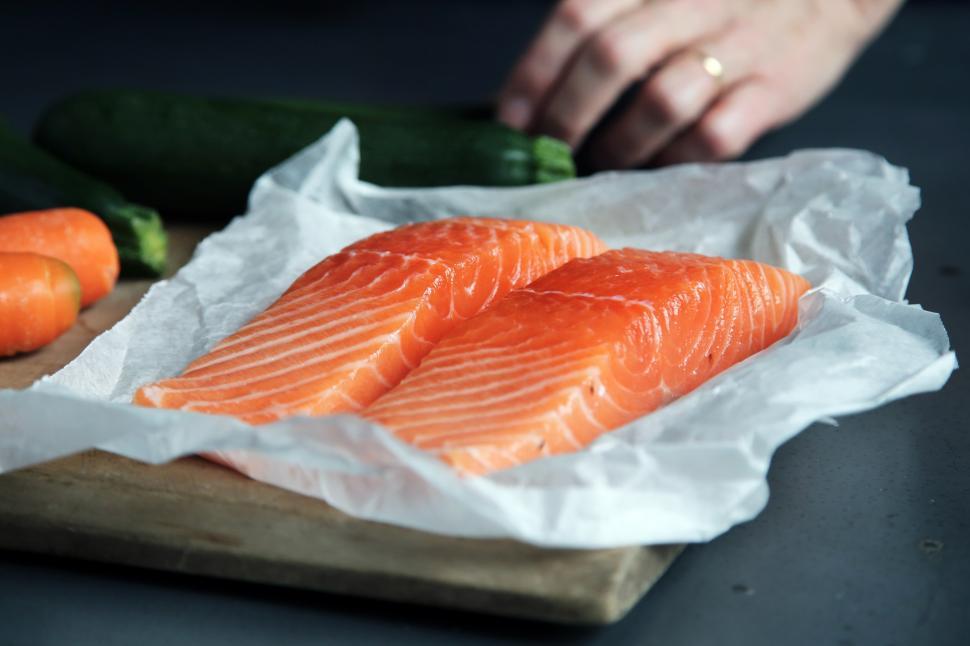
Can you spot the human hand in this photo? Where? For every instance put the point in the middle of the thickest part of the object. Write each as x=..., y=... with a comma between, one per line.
x=717, y=74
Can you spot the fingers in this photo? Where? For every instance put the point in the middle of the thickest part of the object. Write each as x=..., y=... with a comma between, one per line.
x=572, y=22
x=729, y=127
x=618, y=54
x=672, y=99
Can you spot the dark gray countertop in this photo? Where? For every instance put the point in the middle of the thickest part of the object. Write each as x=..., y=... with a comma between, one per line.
x=866, y=537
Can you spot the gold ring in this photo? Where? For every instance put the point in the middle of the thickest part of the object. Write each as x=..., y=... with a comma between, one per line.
x=712, y=66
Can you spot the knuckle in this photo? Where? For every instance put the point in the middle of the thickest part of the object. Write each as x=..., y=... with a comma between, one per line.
x=608, y=53
x=575, y=15
x=718, y=140
x=530, y=81
x=542, y=57
x=557, y=125
x=665, y=102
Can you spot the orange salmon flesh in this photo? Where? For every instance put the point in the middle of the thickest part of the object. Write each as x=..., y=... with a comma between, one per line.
x=583, y=350
x=351, y=327
x=490, y=342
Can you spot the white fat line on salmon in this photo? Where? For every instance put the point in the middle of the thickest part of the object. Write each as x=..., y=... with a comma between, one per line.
x=411, y=325
x=154, y=394
x=288, y=409
x=596, y=297
x=342, y=294
x=327, y=267
x=576, y=402
x=489, y=454
x=621, y=387
x=467, y=365
x=297, y=349
x=507, y=451
x=751, y=301
x=749, y=308
x=742, y=333
x=405, y=269
x=384, y=253
x=294, y=317
x=497, y=434
x=430, y=371
x=488, y=228
x=787, y=303
x=312, y=310
x=550, y=258
x=479, y=423
x=443, y=354
x=781, y=299
x=535, y=369
x=308, y=313
x=475, y=457
x=350, y=401
x=537, y=262
x=535, y=265
x=193, y=368
x=583, y=250
x=377, y=343
x=448, y=282
x=725, y=330
x=516, y=274
x=402, y=398
x=755, y=295
x=767, y=304
x=370, y=366
x=763, y=294
x=702, y=296
x=793, y=304
x=565, y=380
x=758, y=290
x=565, y=246
x=723, y=336
x=499, y=260
x=297, y=406
x=667, y=394
x=216, y=405
x=310, y=291
x=469, y=287
x=416, y=402
x=414, y=332
x=481, y=435
x=744, y=321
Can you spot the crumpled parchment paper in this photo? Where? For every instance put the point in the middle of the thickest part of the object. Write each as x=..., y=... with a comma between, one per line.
x=685, y=473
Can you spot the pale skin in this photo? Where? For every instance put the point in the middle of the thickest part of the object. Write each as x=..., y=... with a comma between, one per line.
x=776, y=59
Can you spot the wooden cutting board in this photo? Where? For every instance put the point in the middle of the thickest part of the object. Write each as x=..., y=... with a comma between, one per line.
x=195, y=517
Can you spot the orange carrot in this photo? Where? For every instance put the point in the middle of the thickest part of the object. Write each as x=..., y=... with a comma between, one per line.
x=39, y=300
x=77, y=237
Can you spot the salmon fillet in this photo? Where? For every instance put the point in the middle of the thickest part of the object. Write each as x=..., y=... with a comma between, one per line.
x=352, y=326
x=583, y=350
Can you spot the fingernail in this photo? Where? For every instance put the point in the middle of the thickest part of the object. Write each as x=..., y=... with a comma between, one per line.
x=515, y=112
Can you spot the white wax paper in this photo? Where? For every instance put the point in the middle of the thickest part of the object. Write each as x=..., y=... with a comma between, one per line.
x=685, y=473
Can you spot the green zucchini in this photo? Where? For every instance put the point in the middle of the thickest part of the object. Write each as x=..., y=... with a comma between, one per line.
x=200, y=156
x=31, y=179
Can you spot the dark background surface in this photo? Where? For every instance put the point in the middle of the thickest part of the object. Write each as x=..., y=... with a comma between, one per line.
x=865, y=539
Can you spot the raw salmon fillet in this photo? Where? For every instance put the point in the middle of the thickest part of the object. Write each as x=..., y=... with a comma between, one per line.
x=352, y=326
x=583, y=350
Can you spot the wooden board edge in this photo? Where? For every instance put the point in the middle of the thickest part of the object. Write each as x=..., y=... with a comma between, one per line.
x=68, y=542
